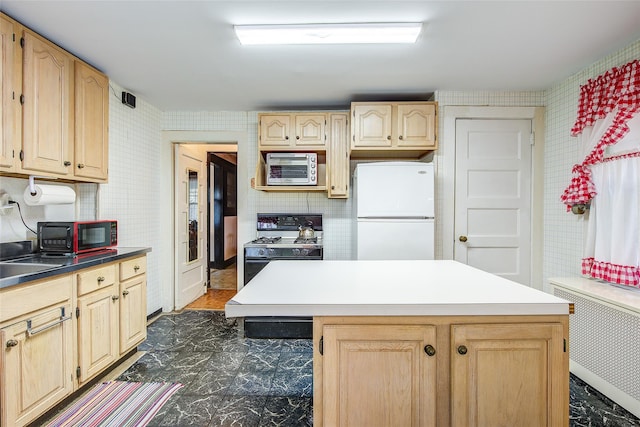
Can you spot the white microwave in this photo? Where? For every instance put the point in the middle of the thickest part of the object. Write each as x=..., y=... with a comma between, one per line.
x=292, y=169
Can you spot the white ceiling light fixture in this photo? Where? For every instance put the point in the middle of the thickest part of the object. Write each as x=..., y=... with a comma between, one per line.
x=404, y=32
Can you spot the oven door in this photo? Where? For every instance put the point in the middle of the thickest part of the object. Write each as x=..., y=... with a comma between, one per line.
x=253, y=266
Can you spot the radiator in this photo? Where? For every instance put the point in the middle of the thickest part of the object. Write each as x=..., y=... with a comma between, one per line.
x=604, y=338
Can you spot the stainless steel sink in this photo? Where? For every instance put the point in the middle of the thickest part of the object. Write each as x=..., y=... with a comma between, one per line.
x=23, y=266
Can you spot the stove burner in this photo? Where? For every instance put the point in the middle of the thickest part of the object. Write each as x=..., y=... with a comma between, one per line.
x=267, y=240
x=302, y=240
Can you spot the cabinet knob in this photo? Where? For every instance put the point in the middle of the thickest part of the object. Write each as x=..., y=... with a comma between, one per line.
x=462, y=238
x=389, y=137
x=400, y=137
x=136, y=268
x=67, y=163
x=12, y=343
x=333, y=187
x=115, y=298
x=100, y=279
x=430, y=350
x=462, y=350
x=297, y=136
x=80, y=166
x=125, y=293
x=286, y=137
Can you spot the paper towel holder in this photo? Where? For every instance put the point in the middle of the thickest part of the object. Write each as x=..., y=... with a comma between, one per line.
x=32, y=183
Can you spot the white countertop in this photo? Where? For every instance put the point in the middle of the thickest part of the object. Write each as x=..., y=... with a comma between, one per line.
x=386, y=288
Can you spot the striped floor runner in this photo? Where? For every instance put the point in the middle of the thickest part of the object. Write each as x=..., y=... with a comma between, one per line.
x=117, y=403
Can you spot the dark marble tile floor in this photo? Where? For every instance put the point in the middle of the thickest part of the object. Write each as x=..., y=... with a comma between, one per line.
x=232, y=381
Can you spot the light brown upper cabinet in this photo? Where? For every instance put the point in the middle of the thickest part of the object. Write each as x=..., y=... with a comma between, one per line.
x=338, y=156
x=54, y=110
x=10, y=129
x=91, y=123
x=47, y=102
x=379, y=129
x=292, y=131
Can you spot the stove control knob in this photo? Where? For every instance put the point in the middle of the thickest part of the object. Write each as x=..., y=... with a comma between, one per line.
x=304, y=252
x=261, y=252
x=295, y=251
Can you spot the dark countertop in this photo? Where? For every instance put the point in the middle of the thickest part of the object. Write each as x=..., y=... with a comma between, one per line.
x=68, y=264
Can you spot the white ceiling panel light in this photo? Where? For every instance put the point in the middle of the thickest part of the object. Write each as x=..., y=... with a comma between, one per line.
x=404, y=32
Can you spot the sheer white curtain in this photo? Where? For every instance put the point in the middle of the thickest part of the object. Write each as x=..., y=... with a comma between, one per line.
x=612, y=250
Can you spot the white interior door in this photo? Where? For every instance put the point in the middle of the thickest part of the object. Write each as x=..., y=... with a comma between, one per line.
x=493, y=196
x=191, y=265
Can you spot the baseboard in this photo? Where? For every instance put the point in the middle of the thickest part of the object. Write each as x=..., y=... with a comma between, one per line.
x=155, y=314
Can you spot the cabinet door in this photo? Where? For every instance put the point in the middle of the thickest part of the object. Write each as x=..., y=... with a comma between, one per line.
x=521, y=364
x=133, y=312
x=91, y=123
x=375, y=375
x=416, y=125
x=10, y=108
x=97, y=331
x=47, y=121
x=36, y=365
x=275, y=130
x=310, y=130
x=338, y=163
x=371, y=125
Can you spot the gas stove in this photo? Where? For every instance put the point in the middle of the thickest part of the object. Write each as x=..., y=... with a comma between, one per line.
x=279, y=237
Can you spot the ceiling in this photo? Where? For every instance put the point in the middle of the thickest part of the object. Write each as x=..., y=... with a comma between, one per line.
x=183, y=55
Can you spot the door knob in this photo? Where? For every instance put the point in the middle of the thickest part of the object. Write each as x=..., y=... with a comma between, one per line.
x=462, y=238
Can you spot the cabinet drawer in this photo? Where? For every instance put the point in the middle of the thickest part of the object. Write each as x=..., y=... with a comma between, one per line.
x=133, y=267
x=97, y=278
x=20, y=300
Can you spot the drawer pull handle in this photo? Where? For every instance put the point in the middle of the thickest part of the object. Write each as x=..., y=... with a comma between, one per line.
x=430, y=350
x=100, y=279
x=12, y=343
x=462, y=350
x=136, y=268
x=125, y=293
x=31, y=332
x=115, y=298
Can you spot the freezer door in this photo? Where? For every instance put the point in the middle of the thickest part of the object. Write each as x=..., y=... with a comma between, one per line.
x=394, y=239
x=394, y=189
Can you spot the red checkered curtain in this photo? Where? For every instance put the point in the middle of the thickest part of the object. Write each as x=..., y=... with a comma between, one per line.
x=608, y=125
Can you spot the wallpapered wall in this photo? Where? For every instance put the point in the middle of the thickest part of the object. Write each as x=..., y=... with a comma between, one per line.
x=139, y=177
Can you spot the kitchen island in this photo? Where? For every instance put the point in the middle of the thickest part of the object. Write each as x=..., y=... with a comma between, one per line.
x=421, y=343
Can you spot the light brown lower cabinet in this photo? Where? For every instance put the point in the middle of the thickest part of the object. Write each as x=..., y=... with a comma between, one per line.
x=58, y=333
x=381, y=369
x=98, y=325
x=441, y=370
x=36, y=362
x=133, y=303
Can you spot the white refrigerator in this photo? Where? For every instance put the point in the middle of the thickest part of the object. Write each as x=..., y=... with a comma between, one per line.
x=394, y=210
